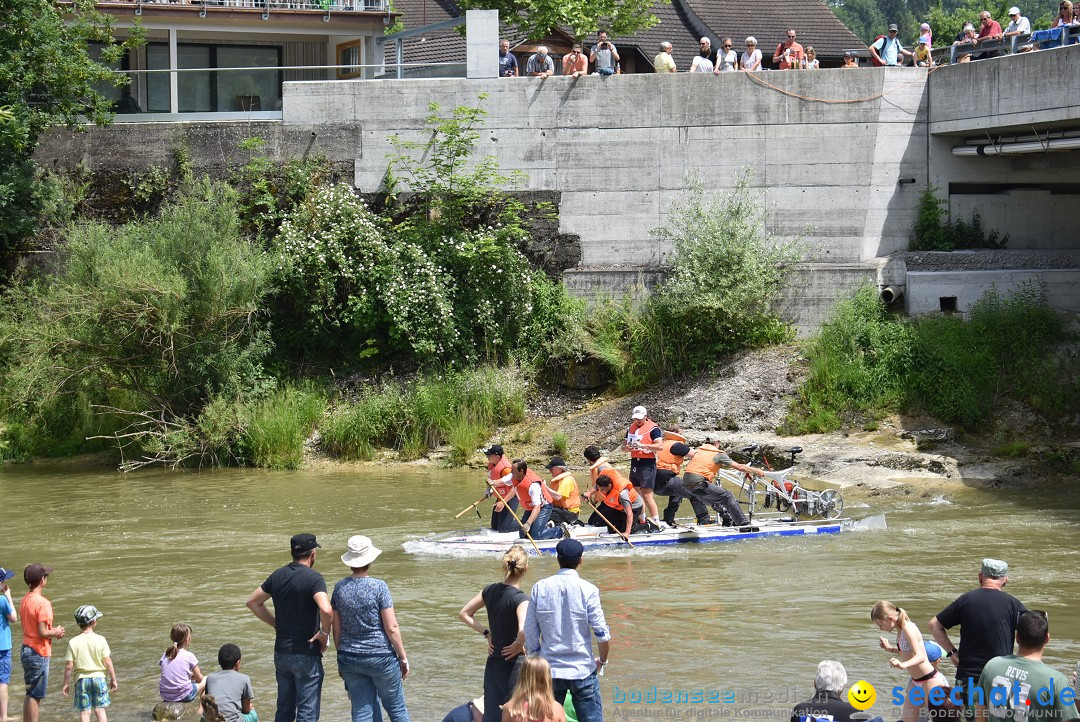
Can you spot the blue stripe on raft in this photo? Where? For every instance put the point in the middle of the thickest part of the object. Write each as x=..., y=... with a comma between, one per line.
x=646, y=542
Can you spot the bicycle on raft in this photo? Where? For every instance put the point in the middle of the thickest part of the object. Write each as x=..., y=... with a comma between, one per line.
x=780, y=490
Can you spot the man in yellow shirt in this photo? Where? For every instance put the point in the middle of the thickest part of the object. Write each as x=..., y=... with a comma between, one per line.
x=566, y=504
x=663, y=62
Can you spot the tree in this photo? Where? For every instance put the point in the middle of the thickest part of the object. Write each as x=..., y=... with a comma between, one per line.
x=863, y=17
x=538, y=18
x=47, y=77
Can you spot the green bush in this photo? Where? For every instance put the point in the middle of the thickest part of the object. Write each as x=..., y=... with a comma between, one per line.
x=933, y=230
x=458, y=407
x=278, y=425
x=559, y=443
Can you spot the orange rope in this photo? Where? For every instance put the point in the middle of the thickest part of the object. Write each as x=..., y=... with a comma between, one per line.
x=757, y=79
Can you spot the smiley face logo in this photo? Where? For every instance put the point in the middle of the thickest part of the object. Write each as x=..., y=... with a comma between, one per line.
x=862, y=695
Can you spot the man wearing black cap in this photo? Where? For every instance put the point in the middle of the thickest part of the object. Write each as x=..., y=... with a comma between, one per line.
x=564, y=490
x=564, y=608
x=301, y=621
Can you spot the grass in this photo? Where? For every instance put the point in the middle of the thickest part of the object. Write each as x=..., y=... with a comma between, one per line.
x=559, y=442
x=458, y=408
x=279, y=425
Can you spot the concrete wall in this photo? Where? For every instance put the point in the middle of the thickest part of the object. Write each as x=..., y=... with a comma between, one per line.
x=621, y=149
x=925, y=289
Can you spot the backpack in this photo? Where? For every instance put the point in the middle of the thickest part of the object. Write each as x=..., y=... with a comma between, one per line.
x=874, y=61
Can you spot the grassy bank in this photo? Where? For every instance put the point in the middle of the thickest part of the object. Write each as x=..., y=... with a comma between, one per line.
x=867, y=363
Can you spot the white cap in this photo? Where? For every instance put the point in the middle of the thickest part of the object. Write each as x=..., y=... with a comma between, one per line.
x=639, y=413
x=1014, y=11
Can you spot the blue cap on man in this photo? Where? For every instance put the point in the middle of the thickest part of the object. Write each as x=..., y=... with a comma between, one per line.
x=569, y=549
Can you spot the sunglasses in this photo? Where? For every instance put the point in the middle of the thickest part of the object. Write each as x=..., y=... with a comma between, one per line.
x=727, y=47
x=1041, y=613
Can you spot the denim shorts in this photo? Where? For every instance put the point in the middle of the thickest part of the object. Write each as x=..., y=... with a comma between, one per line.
x=191, y=695
x=5, y=666
x=91, y=693
x=35, y=672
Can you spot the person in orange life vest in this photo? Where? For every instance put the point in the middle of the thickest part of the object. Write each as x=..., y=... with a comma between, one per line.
x=669, y=462
x=499, y=474
x=643, y=439
x=565, y=497
x=600, y=465
x=534, y=499
x=704, y=462
x=620, y=504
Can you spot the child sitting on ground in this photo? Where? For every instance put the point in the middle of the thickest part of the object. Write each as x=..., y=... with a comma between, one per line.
x=181, y=678
x=89, y=659
x=228, y=693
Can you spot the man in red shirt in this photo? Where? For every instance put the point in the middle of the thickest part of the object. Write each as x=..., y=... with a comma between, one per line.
x=38, y=633
x=990, y=29
x=789, y=54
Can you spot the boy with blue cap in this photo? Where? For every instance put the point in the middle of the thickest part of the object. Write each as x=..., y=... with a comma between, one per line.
x=7, y=618
x=88, y=660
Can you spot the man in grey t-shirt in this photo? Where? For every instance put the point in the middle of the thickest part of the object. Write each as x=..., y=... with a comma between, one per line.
x=604, y=55
x=540, y=64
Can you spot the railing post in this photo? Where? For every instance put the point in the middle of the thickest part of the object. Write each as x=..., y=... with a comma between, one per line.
x=174, y=82
x=399, y=46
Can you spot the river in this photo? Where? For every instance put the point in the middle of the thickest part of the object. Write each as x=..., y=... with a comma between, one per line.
x=749, y=619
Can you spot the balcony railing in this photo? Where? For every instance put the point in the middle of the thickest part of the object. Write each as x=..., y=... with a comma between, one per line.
x=264, y=5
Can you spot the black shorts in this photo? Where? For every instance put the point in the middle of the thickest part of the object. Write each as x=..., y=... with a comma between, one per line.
x=643, y=473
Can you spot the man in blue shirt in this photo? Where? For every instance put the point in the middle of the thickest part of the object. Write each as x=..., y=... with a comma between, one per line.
x=887, y=49
x=508, y=64
x=564, y=608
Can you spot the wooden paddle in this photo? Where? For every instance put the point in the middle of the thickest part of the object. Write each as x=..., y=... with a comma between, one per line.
x=470, y=507
x=601, y=515
x=524, y=528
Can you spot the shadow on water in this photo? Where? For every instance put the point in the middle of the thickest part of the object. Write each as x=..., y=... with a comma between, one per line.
x=751, y=619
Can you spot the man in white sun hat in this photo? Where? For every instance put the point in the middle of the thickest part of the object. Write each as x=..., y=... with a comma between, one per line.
x=1018, y=24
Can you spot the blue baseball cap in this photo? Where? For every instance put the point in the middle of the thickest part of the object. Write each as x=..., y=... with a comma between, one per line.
x=569, y=549
x=6, y=574
x=934, y=652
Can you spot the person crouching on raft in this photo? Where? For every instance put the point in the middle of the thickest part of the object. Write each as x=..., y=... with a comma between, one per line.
x=566, y=499
x=620, y=504
x=534, y=499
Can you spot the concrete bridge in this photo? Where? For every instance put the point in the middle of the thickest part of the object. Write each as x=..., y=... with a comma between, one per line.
x=839, y=156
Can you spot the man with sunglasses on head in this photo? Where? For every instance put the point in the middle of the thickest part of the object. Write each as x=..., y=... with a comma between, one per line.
x=1026, y=687
x=987, y=617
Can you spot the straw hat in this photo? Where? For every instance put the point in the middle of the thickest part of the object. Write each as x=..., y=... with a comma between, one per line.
x=361, y=552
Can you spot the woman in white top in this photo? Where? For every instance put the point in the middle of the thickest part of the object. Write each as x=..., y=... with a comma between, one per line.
x=701, y=64
x=751, y=58
x=727, y=60
x=810, y=62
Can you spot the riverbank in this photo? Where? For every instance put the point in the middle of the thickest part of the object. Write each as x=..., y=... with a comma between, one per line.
x=745, y=400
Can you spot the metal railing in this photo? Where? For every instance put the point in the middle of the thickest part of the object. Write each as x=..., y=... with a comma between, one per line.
x=323, y=6
x=1041, y=39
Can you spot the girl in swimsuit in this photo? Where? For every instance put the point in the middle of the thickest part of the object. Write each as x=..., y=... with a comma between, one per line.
x=909, y=645
x=533, y=699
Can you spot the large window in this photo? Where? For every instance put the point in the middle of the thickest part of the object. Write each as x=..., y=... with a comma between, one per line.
x=216, y=90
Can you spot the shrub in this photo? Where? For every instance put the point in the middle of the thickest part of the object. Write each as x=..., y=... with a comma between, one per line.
x=278, y=425
x=934, y=231
x=559, y=443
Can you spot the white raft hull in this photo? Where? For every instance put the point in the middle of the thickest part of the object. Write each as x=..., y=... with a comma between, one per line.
x=594, y=537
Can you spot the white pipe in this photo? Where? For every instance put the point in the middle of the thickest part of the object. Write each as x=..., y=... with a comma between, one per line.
x=1018, y=148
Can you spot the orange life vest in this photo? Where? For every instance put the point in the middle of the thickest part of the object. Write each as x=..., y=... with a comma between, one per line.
x=642, y=432
x=703, y=463
x=523, y=490
x=665, y=459
x=497, y=471
x=571, y=501
x=602, y=466
x=618, y=484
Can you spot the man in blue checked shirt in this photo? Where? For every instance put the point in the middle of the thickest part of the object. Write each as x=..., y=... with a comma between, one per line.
x=563, y=610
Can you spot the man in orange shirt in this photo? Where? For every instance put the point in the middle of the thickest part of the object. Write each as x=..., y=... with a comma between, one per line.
x=38, y=633
x=575, y=63
x=789, y=54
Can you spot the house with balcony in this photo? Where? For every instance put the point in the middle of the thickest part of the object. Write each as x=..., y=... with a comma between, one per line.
x=226, y=59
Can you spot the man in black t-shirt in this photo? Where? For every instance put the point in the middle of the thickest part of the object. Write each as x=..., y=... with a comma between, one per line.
x=301, y=621
x=826, y=704
x=987, y=617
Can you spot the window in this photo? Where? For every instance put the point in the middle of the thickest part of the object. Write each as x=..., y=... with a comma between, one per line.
x=351, y=53
x=216, y=91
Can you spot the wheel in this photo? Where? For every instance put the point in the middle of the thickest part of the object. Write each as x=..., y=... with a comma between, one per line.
x=830, y=504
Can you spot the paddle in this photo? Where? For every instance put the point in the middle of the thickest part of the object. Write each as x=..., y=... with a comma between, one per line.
x=516, y=517
x=470, y=506
x=601, y=515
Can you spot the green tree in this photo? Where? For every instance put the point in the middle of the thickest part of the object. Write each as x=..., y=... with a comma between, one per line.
x=537, y=18
x=863, y=17
x=47, y=77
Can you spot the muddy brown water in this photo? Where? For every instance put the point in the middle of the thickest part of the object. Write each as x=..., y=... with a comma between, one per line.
x=744, y=621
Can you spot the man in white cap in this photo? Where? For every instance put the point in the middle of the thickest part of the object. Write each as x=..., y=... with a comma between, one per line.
x=301, y=620
x=987, y=616
x=1018, y=24
x=643, y=440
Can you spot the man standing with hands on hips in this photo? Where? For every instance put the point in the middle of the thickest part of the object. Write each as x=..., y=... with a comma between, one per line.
x=301, y=621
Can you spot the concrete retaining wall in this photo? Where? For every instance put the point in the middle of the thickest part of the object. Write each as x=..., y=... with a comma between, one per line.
x=925, y=289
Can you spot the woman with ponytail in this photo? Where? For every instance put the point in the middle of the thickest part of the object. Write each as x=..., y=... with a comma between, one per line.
x=505, y=636
x=533, y=699
x=181, y=678
x=909, y=645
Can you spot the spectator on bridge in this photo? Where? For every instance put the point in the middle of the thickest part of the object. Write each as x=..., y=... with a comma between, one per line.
x=727, y=60
x=663, y=62
x=574, y=63
x=810, y=62
x=1066, y=16
x=604, y=55
x=703, y=61
x=1018, y=24
x=789, y=54
x=751, y=57
x=989, y=31
x=849, y=60
x=508, y=64
x=888, y=50
x=923, y=58
x=966, y=39
x=540, y=64
x=924, y=29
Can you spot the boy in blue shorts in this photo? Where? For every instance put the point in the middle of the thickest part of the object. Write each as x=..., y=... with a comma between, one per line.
x=7, y=618
x=89, y=659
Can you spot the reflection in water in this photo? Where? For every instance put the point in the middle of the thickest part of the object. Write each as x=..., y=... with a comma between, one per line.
x=748, y=618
